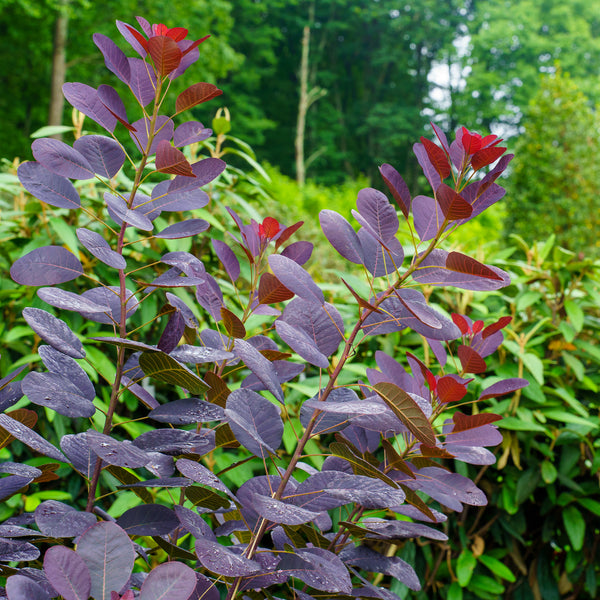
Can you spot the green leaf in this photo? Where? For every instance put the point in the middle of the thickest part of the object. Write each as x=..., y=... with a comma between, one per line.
x=482, y=584
x=574, y=526
x=576, y=365
x=221, y=125
x=549, y=472
x=65, y=233
x=49, y=130
x=592, y=505
x=534, y=366
x=567, y=396
x=526, y=484
x=575, y=314
x=515, y=424
x=164, y=368
x=527, y=299
x=567, y=417
x=464, y=567
x=497, y=567
x=454, y=591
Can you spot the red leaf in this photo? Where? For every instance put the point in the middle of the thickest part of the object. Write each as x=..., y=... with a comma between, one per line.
x=461, y=263
x=434, y=452
x=172, y=161
x=486, y=156
x=497, y=326
x=449, y=390
x=287, y=233
x=233, y=324
x=471, y=142
x=470, y=360
x=196, y=94
x=165, y=54
x=138, y=36
x=270, y=227
x=271, y=290
x=361, y=301
x=397, y=187
x=477, y=326
x=427, y=374
x=464, y=422
x=437, y=157
x=452, y=204
x=195, y=44
x=176, y=33
x=461, y=323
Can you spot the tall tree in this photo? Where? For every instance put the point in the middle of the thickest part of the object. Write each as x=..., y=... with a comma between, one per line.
x=555, y=183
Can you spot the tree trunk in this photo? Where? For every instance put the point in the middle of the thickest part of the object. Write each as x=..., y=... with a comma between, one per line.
x=59, y=67
x=302, y=108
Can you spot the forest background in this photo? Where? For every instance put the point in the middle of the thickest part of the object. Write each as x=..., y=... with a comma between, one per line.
x=375, y=73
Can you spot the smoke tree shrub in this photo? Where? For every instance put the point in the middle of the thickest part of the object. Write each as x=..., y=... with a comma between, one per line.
x=296, y=531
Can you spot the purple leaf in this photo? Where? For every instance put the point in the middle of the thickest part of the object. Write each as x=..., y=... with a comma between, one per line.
x=210, y=296
x=329, y=422
x=57, y=393
x=163, y=130
x=397, y=187
x=227, y=258
x=377, y=259
x=49, y=265
x=119, y=212
x=57, y=519
x=222, y=560
x=142, y=81
x=450, y=489
x=79, y=453
x=104, y=155
x=285, y=371
x=277, y=511
x=19, y=587
x=295, y=278
x=183, y=229
x=148, y=519
x=122, y=454
x=330, y=489
x=19, y=469
x=433, y=271
x=473, y=455
x=428, y=217
x=352, y=407
x=108, y=298
x=109, y=555
x=111, y=99
x=61, y=159
x=260, y=366
x=8, y=487
x=341, y=236
x=10, y=390
x=480, y=199
x=501, y=388
x=176, y=441
x=172, y=333
x=298, y=251
x=378, y=213
x=318, y=568
x=194, y=523
x=184, y=309
x=369, y=560
x=169, y=581
x=57, y=362
x=67, y=300
x=255, y=422
x=114, y=58
x=205, y=589
x=433, y=177
x=124, y=29
x=86, y=100
x=67, y=573
x=200, y=474
x=190, y=132
x=54, y=331
x=301, y=343
x=47, y=186
x=205, y=171
x=394, y=530
x=99, y=247
x=199, y=354
x=485, y=435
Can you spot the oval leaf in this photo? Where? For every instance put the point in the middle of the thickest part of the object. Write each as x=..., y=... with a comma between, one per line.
x=49, y=265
